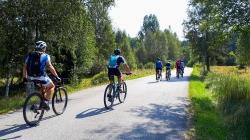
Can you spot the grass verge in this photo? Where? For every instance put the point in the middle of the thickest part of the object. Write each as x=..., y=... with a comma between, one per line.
x=207, y=121
x=16, y=102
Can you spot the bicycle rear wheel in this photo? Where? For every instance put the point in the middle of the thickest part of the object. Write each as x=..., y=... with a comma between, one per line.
x=59, y=100
x=32, y=109
x=122, y=94
x=108, y=97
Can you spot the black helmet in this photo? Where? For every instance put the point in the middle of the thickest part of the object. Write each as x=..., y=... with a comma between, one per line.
x=158, y=58
x=117, y=51
x=40, y=45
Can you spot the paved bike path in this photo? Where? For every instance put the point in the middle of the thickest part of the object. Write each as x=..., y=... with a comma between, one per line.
x=152, y=110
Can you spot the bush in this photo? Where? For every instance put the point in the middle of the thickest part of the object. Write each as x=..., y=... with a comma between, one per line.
x=149, y=65
x=100, y=78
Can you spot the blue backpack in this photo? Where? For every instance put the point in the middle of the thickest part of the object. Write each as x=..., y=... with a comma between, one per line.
x=113, y=61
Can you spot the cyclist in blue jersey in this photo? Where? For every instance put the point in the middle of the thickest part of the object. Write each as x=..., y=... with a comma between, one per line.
x=168, y=67
x=35, y=69
x=115, y=61
x=158, y=67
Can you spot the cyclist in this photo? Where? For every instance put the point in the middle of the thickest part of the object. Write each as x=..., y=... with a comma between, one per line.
x=158, y=67
x=182, y=65
x=168, y=67
x=35, y=69
x=113, y=66
x=178, y=66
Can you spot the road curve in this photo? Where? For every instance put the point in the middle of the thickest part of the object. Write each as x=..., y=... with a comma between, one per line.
x=152, y=110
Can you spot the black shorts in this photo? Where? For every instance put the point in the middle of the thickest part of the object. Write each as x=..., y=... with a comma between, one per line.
x=113, y=72
x=158, y=69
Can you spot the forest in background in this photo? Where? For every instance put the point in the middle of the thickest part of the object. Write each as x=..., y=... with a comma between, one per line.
x=80, y=39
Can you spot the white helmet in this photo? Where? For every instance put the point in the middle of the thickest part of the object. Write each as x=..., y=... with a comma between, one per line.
x=40, y=45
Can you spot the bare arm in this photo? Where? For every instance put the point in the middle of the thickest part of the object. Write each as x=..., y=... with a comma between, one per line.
x=25, y=71
x=52, y=69
x=127, y=69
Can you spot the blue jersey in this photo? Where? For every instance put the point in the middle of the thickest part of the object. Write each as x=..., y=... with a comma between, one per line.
x=44, y=60
x=168, y=65
x=158, y=64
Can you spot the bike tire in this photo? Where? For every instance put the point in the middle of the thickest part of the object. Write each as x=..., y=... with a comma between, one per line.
x=59, y=100
x=35, y=109
x=123, y=94
x=109, y=101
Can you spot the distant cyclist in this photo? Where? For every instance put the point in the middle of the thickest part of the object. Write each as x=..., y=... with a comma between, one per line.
x=182, y=65
x=158, y=67
x=168, y=67
x=178, y=66
x=35, y=69
x=114, y=63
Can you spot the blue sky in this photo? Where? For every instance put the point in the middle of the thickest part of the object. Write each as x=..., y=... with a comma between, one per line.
x=128, y=14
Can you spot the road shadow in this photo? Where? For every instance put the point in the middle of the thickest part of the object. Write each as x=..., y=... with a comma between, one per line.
x=92, y=112
x=175, y=79
x=153, y=82
x=160, y=122
x=19, y=127
x=166, y=122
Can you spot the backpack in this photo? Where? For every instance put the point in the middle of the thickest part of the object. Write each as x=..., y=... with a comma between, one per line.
x=158, y=64
x=113, y=61
x=34, y=64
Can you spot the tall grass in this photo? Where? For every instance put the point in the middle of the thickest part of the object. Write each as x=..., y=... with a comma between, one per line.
x=207, y=121
x=233, y=98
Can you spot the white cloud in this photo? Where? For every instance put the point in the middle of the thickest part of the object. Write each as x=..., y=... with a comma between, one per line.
x=128, y=14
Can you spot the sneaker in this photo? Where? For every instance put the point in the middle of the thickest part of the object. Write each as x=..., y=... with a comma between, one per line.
x=45, y=106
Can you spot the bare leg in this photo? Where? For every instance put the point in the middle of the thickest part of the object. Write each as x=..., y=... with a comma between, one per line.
x=49, y=91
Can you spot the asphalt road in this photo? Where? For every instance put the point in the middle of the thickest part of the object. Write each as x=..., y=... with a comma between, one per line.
x=152, y=110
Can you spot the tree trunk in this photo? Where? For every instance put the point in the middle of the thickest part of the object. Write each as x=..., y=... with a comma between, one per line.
x=207, y=63
x=7, y=85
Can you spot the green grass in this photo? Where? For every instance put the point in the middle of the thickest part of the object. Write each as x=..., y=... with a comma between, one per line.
x=16, y=102
x=207, y=121
x=9, y=104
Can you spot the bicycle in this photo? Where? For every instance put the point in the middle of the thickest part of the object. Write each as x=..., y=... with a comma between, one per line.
x=158, y=75
x=113, y=92
x=33, y=108
x=180, y=73
x=168, y=74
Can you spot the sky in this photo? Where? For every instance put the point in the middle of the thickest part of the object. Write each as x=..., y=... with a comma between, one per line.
x=128, y=14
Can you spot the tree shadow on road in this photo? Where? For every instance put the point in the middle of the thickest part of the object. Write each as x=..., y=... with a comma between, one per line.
x=165, y=122
x=159, y=122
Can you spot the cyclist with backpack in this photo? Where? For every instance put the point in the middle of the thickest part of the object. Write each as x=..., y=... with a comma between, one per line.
x=114, y=63
x=168, y=68
x=158, y=67
x=35, y=69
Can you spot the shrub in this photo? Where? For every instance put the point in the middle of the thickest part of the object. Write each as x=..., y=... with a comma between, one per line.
x=100, y=78
x=149, y=65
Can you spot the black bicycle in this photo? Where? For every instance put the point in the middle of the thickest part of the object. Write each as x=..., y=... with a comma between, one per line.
x=33, y=108
x=180, y=73
x=158, y=75
x=168, y=74
x=113, y=91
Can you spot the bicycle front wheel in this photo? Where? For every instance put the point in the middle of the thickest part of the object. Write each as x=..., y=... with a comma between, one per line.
x=59, y=100
x=123, y=93
x=108, y=97
x=32, y=109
